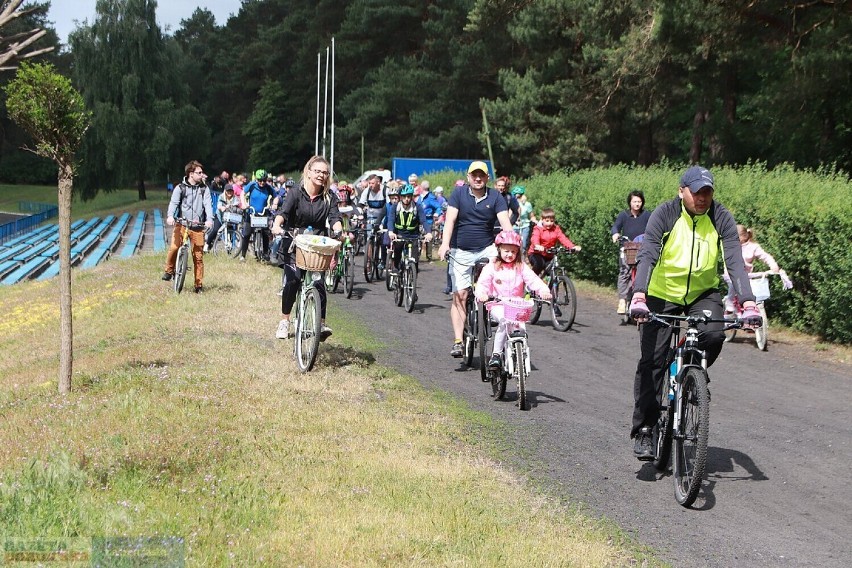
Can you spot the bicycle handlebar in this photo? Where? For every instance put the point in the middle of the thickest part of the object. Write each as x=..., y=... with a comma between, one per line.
x=671, y=320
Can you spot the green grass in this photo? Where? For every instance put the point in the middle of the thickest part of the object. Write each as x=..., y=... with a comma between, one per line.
x=187, y=418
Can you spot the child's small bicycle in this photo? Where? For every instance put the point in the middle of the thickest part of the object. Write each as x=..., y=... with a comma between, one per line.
x=516, y=352
x=760, y=287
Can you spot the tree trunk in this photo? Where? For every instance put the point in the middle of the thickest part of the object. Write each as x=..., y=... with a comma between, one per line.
x=66, y=334
x=140, y=186
x=697, y=136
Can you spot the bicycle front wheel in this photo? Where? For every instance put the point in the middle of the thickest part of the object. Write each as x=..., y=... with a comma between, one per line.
x=308, y=330
x=410, y=291
x=180, y=267
x=761, y=334
x=690, y=439
x=349, y=273
x=332, y=277
x=564, y=304
x=236, y=243
x=519, y=353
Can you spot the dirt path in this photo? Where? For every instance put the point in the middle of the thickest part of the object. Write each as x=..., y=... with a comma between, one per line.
x=777, y=491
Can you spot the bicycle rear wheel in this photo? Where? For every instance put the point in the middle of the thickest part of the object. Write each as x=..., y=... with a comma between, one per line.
x=410, y=291
x=180, y=267
x=761, y=334
x=470, y=330
x=663, y=434
x=690, y=439
x=485, y=345
x=521, y=372
x=349, y=272
x=564, y=304
x=368, y=262
x=308, y=330
x=397, y=284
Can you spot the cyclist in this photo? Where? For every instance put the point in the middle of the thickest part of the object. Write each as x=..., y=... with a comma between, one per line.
x=631, y=223
x=753, y=251
x=374, y=201
x=504, y=277
x=502, y=185
x=311, y=204
x=526, y=217
x=191, y=202
x=408, y=220
x=258, y=195
x=677, y=273
x=469, y=236
x=431, y=209
x=227, y=202
x=545, y=236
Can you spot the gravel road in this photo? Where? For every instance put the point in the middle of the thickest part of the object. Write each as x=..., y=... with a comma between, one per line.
x=777, y=490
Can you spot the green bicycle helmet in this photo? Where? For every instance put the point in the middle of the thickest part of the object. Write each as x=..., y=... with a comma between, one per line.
x=260, y=175
x=407, y=189
x=519, y=190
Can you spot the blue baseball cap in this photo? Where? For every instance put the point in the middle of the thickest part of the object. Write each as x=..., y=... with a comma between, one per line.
x=696, y=178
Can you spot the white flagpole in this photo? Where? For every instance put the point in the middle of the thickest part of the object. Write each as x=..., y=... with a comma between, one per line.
x=325, y=105
x=331, y=153
x=319, y=73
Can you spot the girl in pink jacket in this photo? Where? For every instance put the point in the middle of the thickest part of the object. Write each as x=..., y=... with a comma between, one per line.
x=506, y=276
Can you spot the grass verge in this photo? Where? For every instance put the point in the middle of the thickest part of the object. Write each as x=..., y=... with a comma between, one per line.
x=187, y=418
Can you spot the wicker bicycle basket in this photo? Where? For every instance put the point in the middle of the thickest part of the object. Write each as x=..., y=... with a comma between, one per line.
x=315, y=252
x=517, y=309
x=631, y=249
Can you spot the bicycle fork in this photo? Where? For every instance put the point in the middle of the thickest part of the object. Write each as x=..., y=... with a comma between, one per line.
x=516, y=337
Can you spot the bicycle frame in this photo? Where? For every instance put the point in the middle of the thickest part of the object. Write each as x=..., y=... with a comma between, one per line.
x=182, y=259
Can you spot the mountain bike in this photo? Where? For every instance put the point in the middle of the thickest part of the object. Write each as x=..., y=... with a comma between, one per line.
x=516, y=354
x=684, y=405
x=628, y=251
x=374, y=268
x=229, y=239
x=404, y=283
x=345, y=268
x=182, y=261
x=313, y=256
x=760, y=287
x=563, y=306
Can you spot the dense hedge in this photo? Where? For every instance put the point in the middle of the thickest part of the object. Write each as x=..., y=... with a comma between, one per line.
x=803, y=218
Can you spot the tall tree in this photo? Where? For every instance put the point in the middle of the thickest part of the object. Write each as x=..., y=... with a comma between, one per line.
x=143, y=127
x=45, y=105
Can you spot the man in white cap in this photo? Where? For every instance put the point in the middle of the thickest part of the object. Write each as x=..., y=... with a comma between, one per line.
x=472, y=211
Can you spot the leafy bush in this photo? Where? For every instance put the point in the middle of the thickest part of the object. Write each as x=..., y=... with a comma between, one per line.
x=803, y=218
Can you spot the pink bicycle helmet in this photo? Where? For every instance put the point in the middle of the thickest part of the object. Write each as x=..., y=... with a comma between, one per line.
x=508, y=238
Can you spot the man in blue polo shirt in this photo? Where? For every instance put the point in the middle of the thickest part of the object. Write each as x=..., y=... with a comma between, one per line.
x=472, y=211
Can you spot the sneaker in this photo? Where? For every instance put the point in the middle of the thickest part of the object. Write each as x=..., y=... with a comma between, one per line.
x=457, y=350
x=622, y=306
x=447, y=291
x=283, y=331
x=167, y=276
x=199, y=289
x=496, y=361
x=643, y=447
x=325, y=332
x=242, y=259
x=206, y=247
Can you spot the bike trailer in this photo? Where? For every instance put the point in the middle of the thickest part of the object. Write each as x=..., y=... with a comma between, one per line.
x=315, y=252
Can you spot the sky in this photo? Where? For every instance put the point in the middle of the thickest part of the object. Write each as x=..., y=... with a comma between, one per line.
x=63, y=13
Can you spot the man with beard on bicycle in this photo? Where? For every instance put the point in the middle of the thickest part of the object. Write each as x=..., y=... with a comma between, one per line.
x=676, y=273
x=257, y=195
x=472, y=211
x=374, y=202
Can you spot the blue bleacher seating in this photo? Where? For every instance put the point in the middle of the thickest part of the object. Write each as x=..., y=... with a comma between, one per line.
x=30, y=267
x=159, y=235
x=131, y=243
